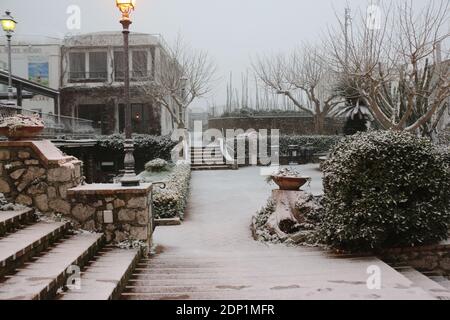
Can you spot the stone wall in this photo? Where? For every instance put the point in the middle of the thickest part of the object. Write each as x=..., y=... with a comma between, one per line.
x=120, y=213
x=286, y=125
x=37, y=174
x=433, y=258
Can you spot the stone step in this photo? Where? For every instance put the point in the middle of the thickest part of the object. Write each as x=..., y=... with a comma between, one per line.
x=288, y=292
x=106, y=276
x=10, y=220
x=210, y=167
x=207, y=163
x=202, y=159
x=206, y=155
x=43, y=277
x=427, y=284
x=18, y=247
x=442, y=281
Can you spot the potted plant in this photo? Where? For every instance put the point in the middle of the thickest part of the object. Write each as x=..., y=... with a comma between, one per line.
x=288, y=179
x=21, y=126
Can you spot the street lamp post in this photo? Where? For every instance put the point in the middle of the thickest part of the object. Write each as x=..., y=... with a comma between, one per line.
x=129, y=179
x=9, y=25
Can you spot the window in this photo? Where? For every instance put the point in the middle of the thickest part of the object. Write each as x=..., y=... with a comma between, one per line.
x=77, y=65
x=98, y=69
x=118, y=65
x=140, y=64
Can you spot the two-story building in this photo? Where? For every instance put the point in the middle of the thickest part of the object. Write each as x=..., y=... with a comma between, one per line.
x=92, y=81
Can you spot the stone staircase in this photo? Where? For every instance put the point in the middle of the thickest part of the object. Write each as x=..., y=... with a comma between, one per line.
x=229, y=277
x=208, y=158
x=436, y=285
x=38, y=258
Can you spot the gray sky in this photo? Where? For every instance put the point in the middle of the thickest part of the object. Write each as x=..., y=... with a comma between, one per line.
x=232, y=31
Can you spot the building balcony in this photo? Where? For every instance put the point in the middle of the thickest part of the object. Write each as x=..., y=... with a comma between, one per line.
x=84, y=77
x=135, y=75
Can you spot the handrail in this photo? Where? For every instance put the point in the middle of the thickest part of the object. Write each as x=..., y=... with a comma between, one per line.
x=225, y=152
x=183, y=146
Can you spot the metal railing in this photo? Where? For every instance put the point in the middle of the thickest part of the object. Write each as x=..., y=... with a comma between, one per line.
x=54, y=125
x=88, y=76
x=135, y=75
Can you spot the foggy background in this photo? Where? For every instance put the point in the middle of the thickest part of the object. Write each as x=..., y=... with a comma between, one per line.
x=232, y=31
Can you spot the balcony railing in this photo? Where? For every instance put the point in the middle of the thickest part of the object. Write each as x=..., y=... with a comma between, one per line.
x=55, y=126
x=135, y=75
x=80, y=76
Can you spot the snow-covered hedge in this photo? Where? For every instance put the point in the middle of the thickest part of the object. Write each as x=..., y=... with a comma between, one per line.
x=171, y=201
x=156, y=165
x=148, y=146
x=385, y=189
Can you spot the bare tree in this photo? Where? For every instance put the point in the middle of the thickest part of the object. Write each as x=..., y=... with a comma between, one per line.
x=395, y=67
x=303, y=70
x=181, y=76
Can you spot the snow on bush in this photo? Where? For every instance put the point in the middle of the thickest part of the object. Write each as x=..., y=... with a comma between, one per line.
x=385, y=189
x=146, y=146
x=171, y=201
x=156, y=165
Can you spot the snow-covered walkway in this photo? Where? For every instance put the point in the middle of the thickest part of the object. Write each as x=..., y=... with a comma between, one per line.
x=213, y=256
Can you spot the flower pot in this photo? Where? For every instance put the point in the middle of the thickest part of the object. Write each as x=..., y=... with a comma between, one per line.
x=21, y=132
x=290, y=183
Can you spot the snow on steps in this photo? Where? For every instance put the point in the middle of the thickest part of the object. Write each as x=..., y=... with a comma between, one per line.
x=42, y=278
x=10, y=220
x=208, y=158
x=106, y=276
x=429, y=285
x=17, y=247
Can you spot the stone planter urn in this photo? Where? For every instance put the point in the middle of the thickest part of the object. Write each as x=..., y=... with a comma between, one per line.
x=290, y=183
x=20, y=127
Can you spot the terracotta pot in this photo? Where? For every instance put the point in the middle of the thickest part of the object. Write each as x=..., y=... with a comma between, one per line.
x=21, y=132
x=290, y=183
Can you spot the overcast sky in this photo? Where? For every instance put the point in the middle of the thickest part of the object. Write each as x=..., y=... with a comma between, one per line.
x=232, y=31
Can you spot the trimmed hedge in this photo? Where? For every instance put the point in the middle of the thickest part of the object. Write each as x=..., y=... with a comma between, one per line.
x=171, y=201
x=146, y=146
x=385, y=189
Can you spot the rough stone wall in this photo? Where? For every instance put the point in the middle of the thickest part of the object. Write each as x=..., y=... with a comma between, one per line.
x=286, y=125
x=434, y=258
x=121, y=216
x=27, y=180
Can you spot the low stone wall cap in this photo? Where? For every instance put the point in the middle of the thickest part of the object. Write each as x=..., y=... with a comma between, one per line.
x=109, y=189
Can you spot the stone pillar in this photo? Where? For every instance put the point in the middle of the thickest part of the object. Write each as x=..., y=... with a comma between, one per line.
x=36, y=173
x=122, y=213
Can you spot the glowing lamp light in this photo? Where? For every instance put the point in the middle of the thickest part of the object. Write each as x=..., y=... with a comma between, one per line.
x=126, y=6
x=8, y=23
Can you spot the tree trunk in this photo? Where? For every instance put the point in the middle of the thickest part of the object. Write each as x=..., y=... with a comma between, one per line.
x=319, y=123
x=284, y=221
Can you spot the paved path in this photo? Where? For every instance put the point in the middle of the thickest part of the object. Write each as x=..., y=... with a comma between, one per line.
x=212, y=255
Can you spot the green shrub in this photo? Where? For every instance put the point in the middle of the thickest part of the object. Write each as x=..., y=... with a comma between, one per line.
x=146, y=146
x=156, y=165
x=385, y=189
x=171, y=201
